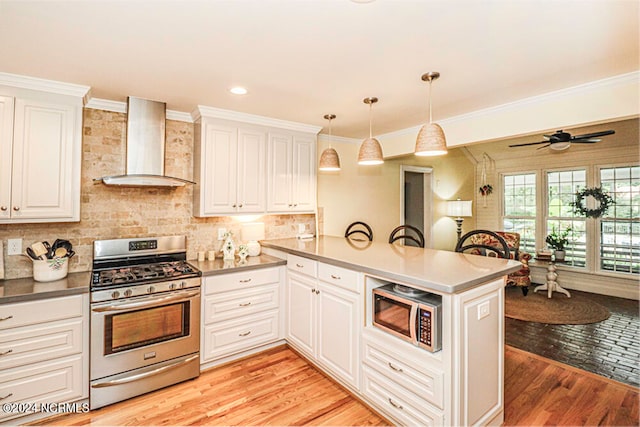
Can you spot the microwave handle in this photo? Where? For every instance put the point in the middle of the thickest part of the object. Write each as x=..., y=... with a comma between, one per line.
x=412, y=323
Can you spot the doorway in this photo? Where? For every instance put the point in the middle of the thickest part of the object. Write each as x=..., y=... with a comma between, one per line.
x=416, y=200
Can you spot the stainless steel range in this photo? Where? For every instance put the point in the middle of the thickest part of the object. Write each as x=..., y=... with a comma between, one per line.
x=145, y=317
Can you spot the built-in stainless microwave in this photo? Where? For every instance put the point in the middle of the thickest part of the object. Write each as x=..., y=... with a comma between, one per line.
x=408, y=313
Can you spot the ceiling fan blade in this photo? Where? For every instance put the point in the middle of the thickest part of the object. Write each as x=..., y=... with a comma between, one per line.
x=594, y=135
x=586, y=141
x=529, y=143
x=544, y=146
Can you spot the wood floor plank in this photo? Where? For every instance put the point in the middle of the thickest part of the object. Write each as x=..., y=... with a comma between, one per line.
x=279, y=388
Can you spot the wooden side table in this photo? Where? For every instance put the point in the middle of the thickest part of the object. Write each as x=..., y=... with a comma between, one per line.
x=552, y=282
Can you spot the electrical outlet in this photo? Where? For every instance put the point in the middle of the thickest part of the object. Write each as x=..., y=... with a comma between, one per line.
x=14, y=246
x=221, y=232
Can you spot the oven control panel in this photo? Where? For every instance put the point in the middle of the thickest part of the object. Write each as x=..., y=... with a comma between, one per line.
x=144, y=289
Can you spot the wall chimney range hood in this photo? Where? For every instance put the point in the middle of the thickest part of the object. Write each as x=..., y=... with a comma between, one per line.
x=145, y=147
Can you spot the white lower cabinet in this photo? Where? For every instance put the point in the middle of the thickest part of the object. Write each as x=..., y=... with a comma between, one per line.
x=44, y=347
x=392, y=399
x=323, y=321
x=240, y=311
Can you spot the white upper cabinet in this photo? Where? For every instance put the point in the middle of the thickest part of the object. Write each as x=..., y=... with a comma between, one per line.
x=291, y=174
x=239, y=170
x=229, y=169
x=40, y=156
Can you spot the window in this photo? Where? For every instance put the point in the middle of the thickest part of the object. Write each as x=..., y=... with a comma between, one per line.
x=520, y=208
x=561, y=189
x=620, y=227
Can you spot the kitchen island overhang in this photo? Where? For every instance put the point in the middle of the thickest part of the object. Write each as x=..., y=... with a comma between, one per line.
x=430, y=269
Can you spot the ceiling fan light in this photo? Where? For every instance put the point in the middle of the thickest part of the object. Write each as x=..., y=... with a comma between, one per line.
x=329, y=160
x=370, y=152
x=431, y=141
x=560, y=146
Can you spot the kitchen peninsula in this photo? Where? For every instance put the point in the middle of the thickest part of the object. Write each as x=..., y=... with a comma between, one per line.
x=329, y=310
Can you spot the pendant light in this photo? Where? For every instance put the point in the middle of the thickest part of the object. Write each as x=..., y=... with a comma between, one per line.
x=370, y=150
x=329, y=160
x=431, y=140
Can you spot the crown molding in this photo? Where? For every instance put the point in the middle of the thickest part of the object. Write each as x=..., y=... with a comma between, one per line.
x=121, y=107
x=34, y=83
x=341, y=139
x=219, y=113
x=610, y=82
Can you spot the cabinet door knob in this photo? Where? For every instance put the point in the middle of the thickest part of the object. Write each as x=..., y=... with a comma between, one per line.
x=233, y=205
x=3, y=208
x=317, y=291
x=313, y=291
x=16, y=208
x=295, y=204
x=240, y=205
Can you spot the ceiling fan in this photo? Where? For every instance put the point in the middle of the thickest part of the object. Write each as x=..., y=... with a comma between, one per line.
x=562, y=140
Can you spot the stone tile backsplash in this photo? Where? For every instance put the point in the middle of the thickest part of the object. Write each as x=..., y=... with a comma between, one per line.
x=112, y=212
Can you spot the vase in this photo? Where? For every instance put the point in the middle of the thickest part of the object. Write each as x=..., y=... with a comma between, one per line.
x=559, y=255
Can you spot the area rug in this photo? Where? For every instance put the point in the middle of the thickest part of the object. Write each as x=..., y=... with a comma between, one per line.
x=559, y=310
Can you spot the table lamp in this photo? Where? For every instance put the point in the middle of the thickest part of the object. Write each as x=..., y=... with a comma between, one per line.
x=458, y=209
x=251, y=233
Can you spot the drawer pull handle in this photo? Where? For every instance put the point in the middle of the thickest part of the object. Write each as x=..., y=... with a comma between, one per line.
x=6, y=318
x=6, y=352
x=395, y=405
x=7, y=396
x=245, y=304
x=395, y=368
x=334, y=277
x=299, y=265
x=245, y=281
x=244, y=334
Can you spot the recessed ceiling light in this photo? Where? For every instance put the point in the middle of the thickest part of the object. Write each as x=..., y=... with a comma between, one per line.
x=238, y=90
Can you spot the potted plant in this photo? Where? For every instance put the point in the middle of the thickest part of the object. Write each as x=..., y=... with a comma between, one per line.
x=558, y=241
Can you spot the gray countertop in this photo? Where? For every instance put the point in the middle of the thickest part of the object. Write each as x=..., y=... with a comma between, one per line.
x=444, y=271
x=218, y=266
x=27, y=289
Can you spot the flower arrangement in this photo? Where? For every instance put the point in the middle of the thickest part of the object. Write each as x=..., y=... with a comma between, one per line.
x=603, y=198
x=558, y=240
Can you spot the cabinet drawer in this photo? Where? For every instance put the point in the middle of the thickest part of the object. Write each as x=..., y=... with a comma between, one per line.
x=302, y=265
x=229, y=305
x=40, y=311
x=222, y=339
x=36, y=343
x=58, y=380
x=346, y=279
x=240, y=280
x=396, y=402
x=427, y=384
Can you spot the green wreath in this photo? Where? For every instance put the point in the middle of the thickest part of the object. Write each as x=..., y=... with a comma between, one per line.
x=596, y=192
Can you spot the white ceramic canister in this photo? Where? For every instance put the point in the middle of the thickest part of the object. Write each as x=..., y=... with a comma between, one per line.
x=49, y=270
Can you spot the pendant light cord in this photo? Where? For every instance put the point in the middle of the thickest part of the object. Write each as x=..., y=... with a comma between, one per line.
x=430, y=118
x=370, y=106
x=330, y=132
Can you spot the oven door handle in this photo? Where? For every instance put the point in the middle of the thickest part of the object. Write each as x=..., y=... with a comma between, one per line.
x=143, y=375
x=147, y=303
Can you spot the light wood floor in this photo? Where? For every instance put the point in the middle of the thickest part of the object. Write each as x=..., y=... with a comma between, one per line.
x=278, y=387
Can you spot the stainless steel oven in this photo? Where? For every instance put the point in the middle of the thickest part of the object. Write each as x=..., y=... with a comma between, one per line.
x=145, y=317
